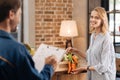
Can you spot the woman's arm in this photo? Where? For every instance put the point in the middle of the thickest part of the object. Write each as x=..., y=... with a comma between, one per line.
x=83, y=68
x=78, y=52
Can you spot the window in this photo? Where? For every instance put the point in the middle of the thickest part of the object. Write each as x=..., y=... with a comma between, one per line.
x=114, y=22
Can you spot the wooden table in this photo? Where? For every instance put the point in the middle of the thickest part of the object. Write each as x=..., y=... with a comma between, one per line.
x=65, y=76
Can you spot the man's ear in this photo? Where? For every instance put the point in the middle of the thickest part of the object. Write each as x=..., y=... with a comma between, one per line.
x=11, y=14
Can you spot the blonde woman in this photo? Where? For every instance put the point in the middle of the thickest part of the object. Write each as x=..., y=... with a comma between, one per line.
x=100, y=54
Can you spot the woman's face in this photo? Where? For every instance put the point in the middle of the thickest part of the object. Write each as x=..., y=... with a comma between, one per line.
x=95, y=20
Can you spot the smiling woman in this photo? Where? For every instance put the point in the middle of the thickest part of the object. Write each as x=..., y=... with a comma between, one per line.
x=100, y=54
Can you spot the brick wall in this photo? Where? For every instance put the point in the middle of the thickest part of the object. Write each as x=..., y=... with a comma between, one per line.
x=48, y=17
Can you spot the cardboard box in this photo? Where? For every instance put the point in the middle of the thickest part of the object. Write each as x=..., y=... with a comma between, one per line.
x=62, y=66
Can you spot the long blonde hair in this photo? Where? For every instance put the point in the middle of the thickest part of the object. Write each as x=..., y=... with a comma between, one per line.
x=103, y=16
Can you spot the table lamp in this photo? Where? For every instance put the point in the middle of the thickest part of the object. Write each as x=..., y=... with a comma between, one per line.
x=69, y=30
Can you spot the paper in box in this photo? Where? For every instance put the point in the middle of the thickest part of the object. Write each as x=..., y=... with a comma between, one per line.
x=62, y=66
x=44, y=51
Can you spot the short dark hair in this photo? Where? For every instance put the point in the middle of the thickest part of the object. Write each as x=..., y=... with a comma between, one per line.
x=6, y=6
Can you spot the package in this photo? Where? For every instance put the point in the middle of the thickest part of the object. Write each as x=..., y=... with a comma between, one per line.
x=62, y=66
x=44, y=51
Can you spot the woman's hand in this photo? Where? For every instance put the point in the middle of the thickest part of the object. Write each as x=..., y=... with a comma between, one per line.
x=70, y=49
x=80, y=69
x=80, y=53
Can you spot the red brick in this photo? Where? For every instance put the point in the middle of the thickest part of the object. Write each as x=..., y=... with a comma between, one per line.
x=59, y=0
x=60, y=5
x=51, y=0
x=38, y=36
x=48, y=35
x=48, y=20
x=49, y=4
x=36, y=1
x=49, y=12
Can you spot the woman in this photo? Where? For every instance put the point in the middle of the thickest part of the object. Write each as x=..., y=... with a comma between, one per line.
x=100, y=54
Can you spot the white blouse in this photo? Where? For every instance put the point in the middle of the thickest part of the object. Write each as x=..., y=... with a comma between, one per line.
x=101, y=55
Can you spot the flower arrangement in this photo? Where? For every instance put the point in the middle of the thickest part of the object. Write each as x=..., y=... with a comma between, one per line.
x=72, y=61
x=30, y=50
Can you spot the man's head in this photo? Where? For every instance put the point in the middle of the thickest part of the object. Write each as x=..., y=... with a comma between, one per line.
x=10, y=11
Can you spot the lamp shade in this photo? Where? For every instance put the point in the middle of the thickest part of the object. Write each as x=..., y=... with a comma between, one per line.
x=68, y=28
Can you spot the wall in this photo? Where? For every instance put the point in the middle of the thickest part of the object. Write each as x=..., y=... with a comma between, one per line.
x=80, y=15
x=48, y=17
x=93, y=4
x=42, y=19
x=29, y=22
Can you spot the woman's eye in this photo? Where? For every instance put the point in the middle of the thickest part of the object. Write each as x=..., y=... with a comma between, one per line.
x=97, y=18
x=91, y=16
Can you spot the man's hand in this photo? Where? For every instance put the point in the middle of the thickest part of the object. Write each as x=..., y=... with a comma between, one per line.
x=52, y=60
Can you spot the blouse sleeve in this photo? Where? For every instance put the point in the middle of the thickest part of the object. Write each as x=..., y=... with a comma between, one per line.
x=107, y=57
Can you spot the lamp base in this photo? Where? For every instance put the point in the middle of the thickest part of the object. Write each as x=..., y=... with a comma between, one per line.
x=68, y=43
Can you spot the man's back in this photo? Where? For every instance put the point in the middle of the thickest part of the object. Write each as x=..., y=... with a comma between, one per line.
x=16, y=63
x=12, y=55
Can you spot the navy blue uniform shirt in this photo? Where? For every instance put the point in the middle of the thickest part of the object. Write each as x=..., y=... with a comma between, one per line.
x=21, y=66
